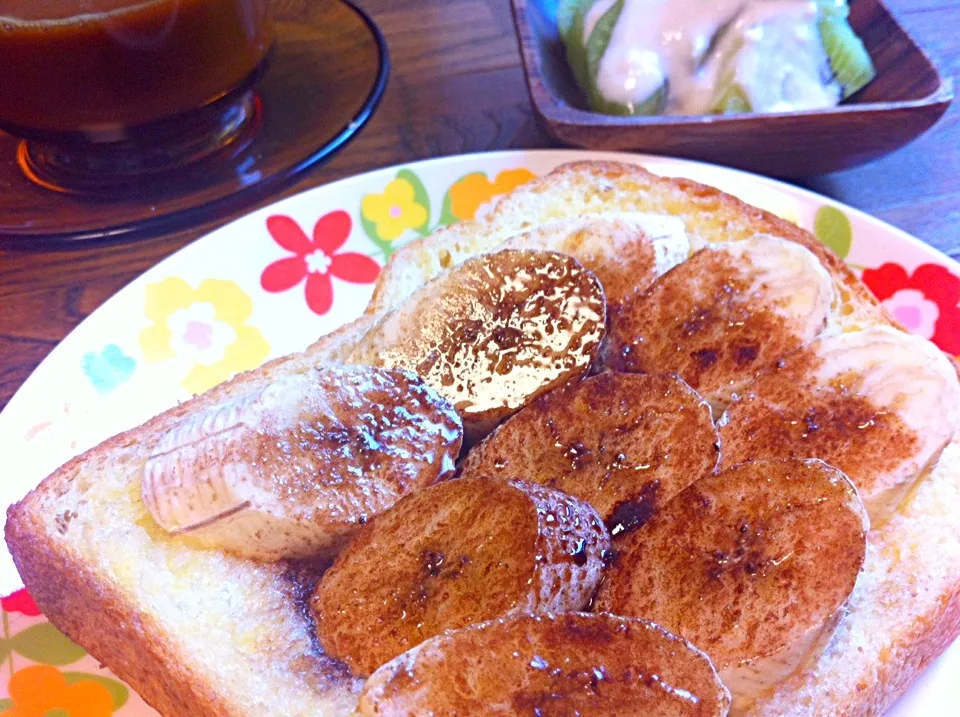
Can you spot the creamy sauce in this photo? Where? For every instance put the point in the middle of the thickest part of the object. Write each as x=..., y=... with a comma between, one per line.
x=770, y=49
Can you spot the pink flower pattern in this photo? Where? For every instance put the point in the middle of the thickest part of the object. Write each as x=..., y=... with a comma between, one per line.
x=926, y=298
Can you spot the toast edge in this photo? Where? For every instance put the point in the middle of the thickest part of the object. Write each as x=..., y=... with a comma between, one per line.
x=117, y=633
x=698, y=197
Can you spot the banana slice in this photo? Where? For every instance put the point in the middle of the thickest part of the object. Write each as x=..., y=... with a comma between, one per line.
x=294, y=469
x=878, y=404
x=451, y=555
x=626, y=250
x=493, y=333
x=624, y=443
x=723, y=315
x=572, y=664
x=752, y=565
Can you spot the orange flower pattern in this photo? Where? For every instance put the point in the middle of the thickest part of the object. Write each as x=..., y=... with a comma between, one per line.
x=475, y=190
x=42, y=691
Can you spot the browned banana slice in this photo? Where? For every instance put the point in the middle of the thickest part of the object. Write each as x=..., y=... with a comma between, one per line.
x=294, y=469
x=878, y=404
x=751, y=565
x=625, y=443
x=495, y=332
x=723, y=315
x=457, y=553
x=549, y=665
x=626, y=250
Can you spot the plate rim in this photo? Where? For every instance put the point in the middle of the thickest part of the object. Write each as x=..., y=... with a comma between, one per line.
x=575, y=154
x=335, y=189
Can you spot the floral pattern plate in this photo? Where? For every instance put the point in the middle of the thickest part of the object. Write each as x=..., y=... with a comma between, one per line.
x=275, y=280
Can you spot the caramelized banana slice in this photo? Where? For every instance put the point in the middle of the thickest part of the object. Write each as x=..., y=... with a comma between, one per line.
x=624, y=443
x=626, y=251
x=454, y=554
x=572, y=664
x=294, y=469
x=723, y=315
x=878, y=404
x=495, y=332
x=751, y=565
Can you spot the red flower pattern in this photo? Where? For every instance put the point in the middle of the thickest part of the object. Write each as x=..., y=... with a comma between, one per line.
x=316, y=260
x=20, y=601
x=936, y=284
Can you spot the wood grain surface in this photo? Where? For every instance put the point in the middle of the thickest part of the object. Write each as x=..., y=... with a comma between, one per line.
x=457, y=86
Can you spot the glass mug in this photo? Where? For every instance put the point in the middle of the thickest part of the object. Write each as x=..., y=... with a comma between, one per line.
x=107, y=93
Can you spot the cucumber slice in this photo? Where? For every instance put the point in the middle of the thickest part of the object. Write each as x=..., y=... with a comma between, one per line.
x=596, y=47
x=732, y=101
x=849, y=59
x=600, y=37
x=834, y=8
x=729, y=97
x=653, y=105
x=566, y=12
x=576, y=47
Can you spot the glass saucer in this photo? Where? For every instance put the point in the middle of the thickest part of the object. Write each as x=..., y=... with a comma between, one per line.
x=326, y=75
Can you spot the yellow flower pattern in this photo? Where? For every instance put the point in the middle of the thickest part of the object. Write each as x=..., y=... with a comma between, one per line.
x=206, y=326
x=395, y=211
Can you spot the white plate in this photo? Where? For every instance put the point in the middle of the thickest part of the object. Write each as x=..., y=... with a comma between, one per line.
x=205, y=313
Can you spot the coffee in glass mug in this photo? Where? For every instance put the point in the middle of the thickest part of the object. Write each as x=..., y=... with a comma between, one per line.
x=93, y=77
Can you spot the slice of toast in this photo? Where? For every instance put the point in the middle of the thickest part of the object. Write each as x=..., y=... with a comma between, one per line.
x=198, y=632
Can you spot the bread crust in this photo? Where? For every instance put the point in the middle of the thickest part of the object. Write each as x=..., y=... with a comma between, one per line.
x=597, y=186
x=117, y=632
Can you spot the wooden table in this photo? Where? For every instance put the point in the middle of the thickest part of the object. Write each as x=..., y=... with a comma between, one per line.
x=457, y=86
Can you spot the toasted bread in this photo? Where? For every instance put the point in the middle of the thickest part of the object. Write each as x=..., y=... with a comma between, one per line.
x=186, y=627
x=460, y=552
x=572, y=664
x=610, y=440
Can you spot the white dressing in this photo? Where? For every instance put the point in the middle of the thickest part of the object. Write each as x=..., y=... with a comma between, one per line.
x=769, y=49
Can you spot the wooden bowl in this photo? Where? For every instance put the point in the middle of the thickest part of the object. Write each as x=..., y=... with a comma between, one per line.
x=906, y=99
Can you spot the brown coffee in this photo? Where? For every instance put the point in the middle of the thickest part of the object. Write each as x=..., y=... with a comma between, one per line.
x=102, y=65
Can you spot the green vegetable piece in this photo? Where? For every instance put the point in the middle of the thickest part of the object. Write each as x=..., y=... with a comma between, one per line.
x=566, y=12
x=732, y=101
x=729, y=97
x=600, y=38
x=597, y=46
x=834, y=8
x=576, y=47
x=653, y=105
x=848, y=57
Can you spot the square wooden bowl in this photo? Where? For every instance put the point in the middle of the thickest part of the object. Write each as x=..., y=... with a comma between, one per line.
x=907, y=97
